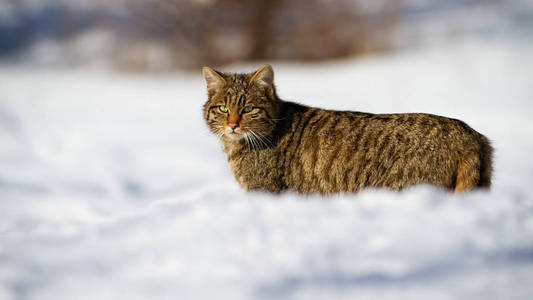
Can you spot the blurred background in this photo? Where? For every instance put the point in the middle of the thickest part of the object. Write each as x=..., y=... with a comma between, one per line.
x=111, y=186
x=161, y=35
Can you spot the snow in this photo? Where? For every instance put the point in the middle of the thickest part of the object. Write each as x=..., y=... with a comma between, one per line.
x=111, y=187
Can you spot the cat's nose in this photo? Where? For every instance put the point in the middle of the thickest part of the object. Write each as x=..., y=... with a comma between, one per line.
x=233, y=125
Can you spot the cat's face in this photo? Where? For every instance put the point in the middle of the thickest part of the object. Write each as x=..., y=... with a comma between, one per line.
x=241, y=107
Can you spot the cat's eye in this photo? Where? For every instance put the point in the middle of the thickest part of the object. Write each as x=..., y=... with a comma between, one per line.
x=223, y=108
x=247, y=109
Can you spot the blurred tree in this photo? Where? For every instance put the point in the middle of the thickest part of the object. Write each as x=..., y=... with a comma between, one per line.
x=216, y=32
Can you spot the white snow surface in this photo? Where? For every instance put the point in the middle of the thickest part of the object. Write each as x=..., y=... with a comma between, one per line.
x=111, y=187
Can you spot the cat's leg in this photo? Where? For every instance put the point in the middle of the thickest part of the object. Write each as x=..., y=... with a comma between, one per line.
x=468, y=174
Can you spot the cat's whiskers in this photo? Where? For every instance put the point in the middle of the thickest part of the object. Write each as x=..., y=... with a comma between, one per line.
x=247, y=141
x=266, y=138
x=251, y=142
x=258, y=140
x=254, y=141
x=218, y=132
x=262, y=138
x=255, y=146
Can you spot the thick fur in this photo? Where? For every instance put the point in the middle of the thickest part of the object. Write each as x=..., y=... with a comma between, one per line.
x=284, y=145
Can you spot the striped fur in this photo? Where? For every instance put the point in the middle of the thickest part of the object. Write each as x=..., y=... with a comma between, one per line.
x=282, y=145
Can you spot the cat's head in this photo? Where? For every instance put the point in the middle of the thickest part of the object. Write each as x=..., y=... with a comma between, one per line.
x=241, y=107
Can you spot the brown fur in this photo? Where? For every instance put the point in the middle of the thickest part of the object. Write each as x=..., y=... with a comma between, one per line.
x=282, y=145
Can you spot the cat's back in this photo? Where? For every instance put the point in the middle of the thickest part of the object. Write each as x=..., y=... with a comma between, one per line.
x=328, y=151
x=360, y=131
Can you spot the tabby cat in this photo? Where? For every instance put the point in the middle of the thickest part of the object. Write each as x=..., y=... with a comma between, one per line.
x=274, y=145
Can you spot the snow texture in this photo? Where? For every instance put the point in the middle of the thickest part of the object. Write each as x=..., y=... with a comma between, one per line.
x=111, y=187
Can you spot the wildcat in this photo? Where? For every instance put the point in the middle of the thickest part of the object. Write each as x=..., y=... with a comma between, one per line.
x=274, y=145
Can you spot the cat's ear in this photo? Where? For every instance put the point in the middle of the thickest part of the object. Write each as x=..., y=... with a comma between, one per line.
x=215, y=82
x=264, y=77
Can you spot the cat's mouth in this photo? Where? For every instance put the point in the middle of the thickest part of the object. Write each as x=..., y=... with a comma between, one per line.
x=234, y=134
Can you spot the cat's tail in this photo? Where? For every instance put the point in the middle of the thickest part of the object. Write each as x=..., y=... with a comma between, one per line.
x=485, y=157
x=475, y=169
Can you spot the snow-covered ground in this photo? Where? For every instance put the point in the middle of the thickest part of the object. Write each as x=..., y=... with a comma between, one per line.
x=111, y=187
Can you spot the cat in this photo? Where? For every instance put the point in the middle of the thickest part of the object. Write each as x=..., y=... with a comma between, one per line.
x=275, y=145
